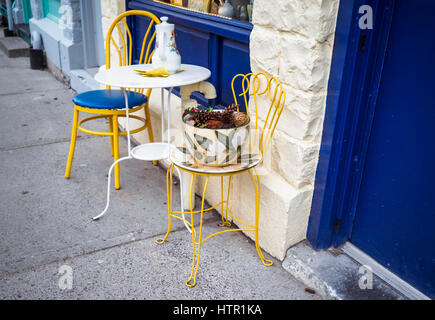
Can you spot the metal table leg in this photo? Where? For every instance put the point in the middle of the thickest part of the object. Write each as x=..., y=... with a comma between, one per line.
x=130, y=156
x=119, y=160
x=178, y=171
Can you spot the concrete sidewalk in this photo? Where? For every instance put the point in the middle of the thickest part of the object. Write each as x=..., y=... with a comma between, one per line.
x=45, y=220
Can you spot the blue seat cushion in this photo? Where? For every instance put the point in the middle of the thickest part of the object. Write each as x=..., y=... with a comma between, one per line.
x=108, y=99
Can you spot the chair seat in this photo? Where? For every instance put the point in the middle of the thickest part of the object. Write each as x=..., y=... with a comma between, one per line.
x=187, y=163
x=109, y=99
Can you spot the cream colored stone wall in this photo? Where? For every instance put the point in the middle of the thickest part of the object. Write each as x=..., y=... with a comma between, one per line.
x=292, y=40
x=110, y=9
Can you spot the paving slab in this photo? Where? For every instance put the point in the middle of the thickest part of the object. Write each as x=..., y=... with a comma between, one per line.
x=14, y=47
x=17, y=81
x=46, y=217
x=39, y=118
x=335, y=275
x=19, y=78
x=18, y=62
x=229, y=269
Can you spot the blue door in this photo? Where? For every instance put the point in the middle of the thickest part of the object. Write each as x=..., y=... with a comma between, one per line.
x=395, y=213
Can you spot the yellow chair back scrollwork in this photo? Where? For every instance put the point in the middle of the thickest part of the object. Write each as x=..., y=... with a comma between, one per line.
x=258, y=89
x=263, y=98
x=124, y=46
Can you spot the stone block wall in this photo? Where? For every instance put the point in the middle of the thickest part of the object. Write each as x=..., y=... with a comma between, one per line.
x=293, y=41
x=71, y=20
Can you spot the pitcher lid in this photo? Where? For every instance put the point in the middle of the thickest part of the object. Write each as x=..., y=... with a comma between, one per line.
x=164, y=24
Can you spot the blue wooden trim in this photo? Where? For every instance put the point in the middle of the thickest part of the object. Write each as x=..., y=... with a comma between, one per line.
x=229, y=28
x=364, y=95
x=322, y=218
x=214, y=63
x=353, y=86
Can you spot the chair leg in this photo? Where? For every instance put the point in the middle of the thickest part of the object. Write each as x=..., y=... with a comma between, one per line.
x=169, y=201
x=225, y=222
x=257, y=185
x=191, y=282
x=149, y=125
x=110, y=118
x=72, y=144
x=116, y=149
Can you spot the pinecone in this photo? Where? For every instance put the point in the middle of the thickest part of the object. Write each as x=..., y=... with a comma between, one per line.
x=227, y=116
x=201, y=118
x=240, y=119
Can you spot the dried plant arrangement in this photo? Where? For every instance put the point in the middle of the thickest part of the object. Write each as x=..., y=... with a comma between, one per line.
x=215, y=118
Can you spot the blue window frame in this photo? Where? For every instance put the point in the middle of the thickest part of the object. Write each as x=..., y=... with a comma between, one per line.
x=219, y=44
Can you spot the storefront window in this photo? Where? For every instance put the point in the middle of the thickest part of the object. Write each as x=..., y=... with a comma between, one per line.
x=234, y=9
x=51, y=9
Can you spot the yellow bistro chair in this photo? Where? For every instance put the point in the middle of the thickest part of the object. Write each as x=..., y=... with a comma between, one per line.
x=109, y=103
x=264, y=91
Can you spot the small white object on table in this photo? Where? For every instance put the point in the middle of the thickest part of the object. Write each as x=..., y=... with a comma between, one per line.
x=126, y=78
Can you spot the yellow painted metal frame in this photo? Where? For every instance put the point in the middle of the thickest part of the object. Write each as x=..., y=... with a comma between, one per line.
x=125, y=58
x=251, y=88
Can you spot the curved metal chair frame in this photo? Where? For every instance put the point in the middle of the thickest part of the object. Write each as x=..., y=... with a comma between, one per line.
x=112, y=115
x=251, y=89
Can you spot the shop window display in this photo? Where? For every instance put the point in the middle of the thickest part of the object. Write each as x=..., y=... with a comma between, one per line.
x=233, y=9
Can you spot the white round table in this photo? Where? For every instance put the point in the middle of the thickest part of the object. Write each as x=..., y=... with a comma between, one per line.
x=126, y=78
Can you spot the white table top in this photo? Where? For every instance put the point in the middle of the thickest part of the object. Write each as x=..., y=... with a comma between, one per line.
x=126, y=77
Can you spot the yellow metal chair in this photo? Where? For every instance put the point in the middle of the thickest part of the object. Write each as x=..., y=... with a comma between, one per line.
x=254, y=86
x=109, y=103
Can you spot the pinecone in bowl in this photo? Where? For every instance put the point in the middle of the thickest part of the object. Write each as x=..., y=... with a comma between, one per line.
x=215, y=119
x=239, y=119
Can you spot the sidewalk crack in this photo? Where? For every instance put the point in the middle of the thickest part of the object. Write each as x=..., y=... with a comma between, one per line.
x=62, y=140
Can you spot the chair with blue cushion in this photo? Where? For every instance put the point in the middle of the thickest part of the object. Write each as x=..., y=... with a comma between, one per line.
x=110, y=103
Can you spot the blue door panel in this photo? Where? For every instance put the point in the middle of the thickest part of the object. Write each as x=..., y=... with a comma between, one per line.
x=395, y=215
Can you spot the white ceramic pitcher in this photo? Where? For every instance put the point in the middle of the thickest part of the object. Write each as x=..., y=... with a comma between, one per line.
x=166, y=53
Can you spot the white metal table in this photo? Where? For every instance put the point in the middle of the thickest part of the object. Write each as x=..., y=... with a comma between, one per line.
x=126, y=78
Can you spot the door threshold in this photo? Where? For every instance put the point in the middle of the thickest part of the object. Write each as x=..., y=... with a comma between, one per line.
x=393, y=280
